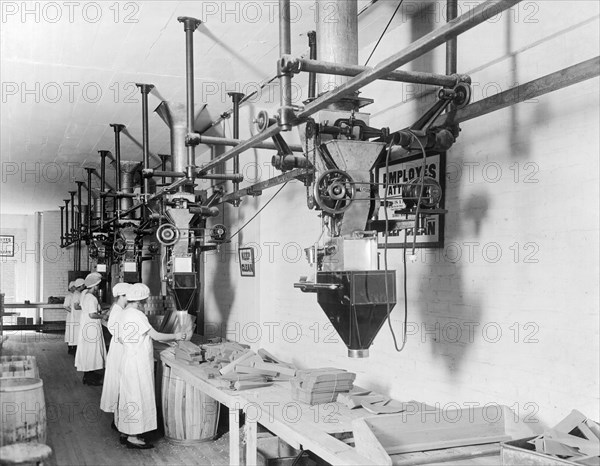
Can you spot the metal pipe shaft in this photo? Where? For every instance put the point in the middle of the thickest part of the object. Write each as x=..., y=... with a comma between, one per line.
x=470, y=19
x=62, y=224
x=338, y=69
x=236, y=97
x=312, y=77
x=79, y=212
x=117, y=128
x=66, y=220
x=145, y=89
x=451, y=45
x=90, y=212
x=285, y=77
x=220, y=141
x=103, y=154
x=189, y=26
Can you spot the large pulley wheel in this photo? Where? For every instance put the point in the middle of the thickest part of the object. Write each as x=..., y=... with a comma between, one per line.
x=119, y=246
x=334, y=191
x=431, y=194
x=167, y=234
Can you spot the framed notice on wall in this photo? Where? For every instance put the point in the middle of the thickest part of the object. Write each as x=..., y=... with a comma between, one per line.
x=7, y=245
x=247, y=268
x=430, y=228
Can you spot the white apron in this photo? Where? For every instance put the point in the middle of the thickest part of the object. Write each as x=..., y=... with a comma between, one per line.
x=110, y=388
x=72, y=320
x=91, y=351
x=137, y=404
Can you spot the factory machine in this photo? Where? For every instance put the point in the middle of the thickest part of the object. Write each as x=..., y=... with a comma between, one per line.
x=336, y=161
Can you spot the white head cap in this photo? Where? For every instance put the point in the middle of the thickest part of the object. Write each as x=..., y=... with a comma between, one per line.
x=92, y=279
x=138, y=292
x=71, y=285
x=120, y=289
x=79, y=282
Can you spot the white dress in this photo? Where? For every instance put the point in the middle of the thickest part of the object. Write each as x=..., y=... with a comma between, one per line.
x=137, y=404
x=72, y=320
x=110, y=388
x=91, y=351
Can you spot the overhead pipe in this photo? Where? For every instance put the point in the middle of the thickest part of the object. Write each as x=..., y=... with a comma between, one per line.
x=145, y=90
x=174, y=115
x=236, y=97
x=73, y=236
x=103, y=154
x=468, y=20
x=126, y=194
x=421, y=46
x=189, y=26
x=297, y=65
x=197, y=138
x=312, y=76
x=286, y=111
x=235, y=177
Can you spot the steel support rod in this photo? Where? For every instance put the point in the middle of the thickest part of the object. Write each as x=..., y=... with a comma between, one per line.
x=145, y=89
x=236, y=178
x=286, y=113
x=189, y=26
x=259, y=187
x=102, y=213
x=470, y=19
x=339, y=69
x=73, y=236
x=452, y=44
x=163, y=166
x=236, y=97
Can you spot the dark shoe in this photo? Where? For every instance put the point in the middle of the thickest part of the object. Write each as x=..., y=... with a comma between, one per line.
x=143, y=446
x=91, y=381
x=123, y=439
x=113, y=426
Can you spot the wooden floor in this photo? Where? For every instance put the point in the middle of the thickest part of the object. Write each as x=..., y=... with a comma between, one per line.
x=79, y=433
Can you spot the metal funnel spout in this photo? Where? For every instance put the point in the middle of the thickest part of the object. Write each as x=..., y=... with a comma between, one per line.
x=357, y=305
x=175, y=116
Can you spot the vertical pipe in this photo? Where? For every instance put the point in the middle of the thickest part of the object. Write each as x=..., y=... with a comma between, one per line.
x=189, y=26
x=285, y=79
x=66, y=221
x=103, y=154
x=163, y=166
x=117, y=128
x=79, y=212
x=337, y=40
x=236, y=98
x=145, y=89
x=62, y=224
x=72, y=193
x=89, y=199
x=312, y=77
x=451, y=45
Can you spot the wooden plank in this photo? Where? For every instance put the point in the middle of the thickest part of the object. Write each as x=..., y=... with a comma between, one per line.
x=179, y=408
x=404, y=433
x=250, y=429
x=234, y=437
x=231, y=366
x=191, y=430
x=367, y=444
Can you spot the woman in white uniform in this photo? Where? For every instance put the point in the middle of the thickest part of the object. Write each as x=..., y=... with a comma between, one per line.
x=73, y=316
x=137, y=405
x=91, y=351
x=110, y=388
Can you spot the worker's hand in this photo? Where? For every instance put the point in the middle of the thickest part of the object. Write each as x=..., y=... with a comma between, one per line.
x=179, y=336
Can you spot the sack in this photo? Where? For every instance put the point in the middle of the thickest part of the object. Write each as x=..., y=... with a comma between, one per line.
x=184, y=323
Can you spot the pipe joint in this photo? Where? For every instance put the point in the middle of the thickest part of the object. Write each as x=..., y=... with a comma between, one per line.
x=193, y=139
x=189, y=23
x=145, y=88
x=289, y=64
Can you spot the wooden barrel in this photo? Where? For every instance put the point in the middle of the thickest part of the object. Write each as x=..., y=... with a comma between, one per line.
x=189, y=415
x=19, y=366
x=23, y=410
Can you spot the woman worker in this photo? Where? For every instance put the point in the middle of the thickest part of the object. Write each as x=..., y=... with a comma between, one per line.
x=110, y=389
x=91, y=351
x=136, y=413
x=72, y=306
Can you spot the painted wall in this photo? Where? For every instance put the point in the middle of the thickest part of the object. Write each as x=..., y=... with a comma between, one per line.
x=507, y=312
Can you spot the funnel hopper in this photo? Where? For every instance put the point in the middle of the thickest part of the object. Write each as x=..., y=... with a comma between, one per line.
x=357, y=306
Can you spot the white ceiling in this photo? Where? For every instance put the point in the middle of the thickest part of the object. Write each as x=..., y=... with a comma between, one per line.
x=65, y=78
